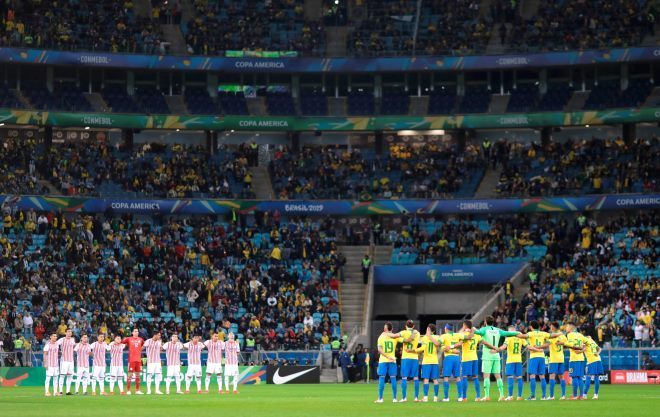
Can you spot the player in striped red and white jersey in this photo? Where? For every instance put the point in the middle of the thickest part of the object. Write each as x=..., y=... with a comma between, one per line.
x=215, y=346
x=194, y=348
x=173, y=354
x=99, y=349
x=51, y=363
x=83, y=351
x=117, y=365
x=232, y=349
x=67, y=344
x=153, y=347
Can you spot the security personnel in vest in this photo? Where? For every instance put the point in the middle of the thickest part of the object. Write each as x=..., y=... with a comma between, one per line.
x=366, y=263
x=486, y=148
x=249, y=343
x=335, y=345
x=18, y=348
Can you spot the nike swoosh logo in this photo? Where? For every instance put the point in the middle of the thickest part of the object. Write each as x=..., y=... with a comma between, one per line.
x=278, y=380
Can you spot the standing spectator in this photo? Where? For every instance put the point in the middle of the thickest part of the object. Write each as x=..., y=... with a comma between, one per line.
x=639, y=331
x=344, y=361
x=362, y=364
x=28, y=323
x=335, y=345
x=366, y=264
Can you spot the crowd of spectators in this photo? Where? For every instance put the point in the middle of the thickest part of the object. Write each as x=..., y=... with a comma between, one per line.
x=603, y=275
x=578, y=24
x=239, y=25
x=595, y=166
x=104, y=25
x=267, y=278
x=429, y=170
x=93, y=168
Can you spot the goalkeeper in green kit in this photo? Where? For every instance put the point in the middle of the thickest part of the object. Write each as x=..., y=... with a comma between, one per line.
x=490, y=355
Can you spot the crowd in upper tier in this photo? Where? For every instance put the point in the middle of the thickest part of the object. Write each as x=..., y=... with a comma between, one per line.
x=267, y=277
x=385, y=27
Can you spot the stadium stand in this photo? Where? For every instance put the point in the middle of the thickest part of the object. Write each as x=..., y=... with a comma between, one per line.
x=417, y=172
x=275, y=279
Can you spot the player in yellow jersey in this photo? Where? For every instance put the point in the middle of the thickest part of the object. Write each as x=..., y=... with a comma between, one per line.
x=429, y=344
x=514, y=371
x=556, y=366
x=594, y=367
x=536, y=365
x=469, y=361
x=575, y=341
x=409, y=360
x=451, y=364
x=387, y=362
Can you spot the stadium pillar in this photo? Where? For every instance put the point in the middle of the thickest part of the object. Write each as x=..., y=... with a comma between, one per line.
x=546, y=132
x=629, y=132
x=294, y=139
x=127, y=138
x=48, y=136
x=378, y=146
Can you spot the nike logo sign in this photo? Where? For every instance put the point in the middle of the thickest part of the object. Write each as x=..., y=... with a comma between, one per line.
x=278, y=380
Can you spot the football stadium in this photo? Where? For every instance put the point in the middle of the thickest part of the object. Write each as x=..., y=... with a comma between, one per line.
x=329, y=207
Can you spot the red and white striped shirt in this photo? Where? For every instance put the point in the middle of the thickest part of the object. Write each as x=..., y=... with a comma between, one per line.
x=82, y=350
x=173, y=353
x=231, y=352
x=98, y=350
x=215, y=351
x=67, y=344
x=117, y=354
x=153, y=350
x=51, y=353
x=194, y=353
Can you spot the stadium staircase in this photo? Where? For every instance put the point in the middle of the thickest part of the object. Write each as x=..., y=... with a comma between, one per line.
x=337, y=37
x=529, y=8
x=176, y=104
x=419, y=106
x=653, y=99
x=488, y=184
x=187, y=11
x=173, y=35
x=577, y=100
x=313, y=10
x=256, y=106
x=263, y=187
x=96, y=101
x=498, y=103
x=352, y=292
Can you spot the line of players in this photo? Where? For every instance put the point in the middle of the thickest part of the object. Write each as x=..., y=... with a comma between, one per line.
x=61, y=367
x=462, y=365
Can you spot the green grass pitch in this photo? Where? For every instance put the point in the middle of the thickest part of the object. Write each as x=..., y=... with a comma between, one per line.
x=320, y=400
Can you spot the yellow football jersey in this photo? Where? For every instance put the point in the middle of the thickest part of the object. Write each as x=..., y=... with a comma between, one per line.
x=412, y=345
x=575, y=339
x=469, y=348
x=514, y=347
x=450, y=339
x=557, y=349
x=537, y=339
x=388, y=346
x=592, y=351
x=429, y=350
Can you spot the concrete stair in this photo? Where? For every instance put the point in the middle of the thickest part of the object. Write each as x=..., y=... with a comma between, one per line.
x=261, y=184
x=494, y=46
x=256, y=106
x=488, y=183
x=419, y=106
x=52, y=190
x=577, y=100
x=337, y=106
x=653, y=100
x=142, y=8
x=529, y=8
x=172, y=34
x=176, y=104
x=336, y=40
x=22, y=99
x=187, y=11
x=352, y=290
x=96, y=101
x=498, y=103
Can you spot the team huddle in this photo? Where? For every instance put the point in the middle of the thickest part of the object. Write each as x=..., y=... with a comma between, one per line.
x=60, y=367
x=460, y=360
